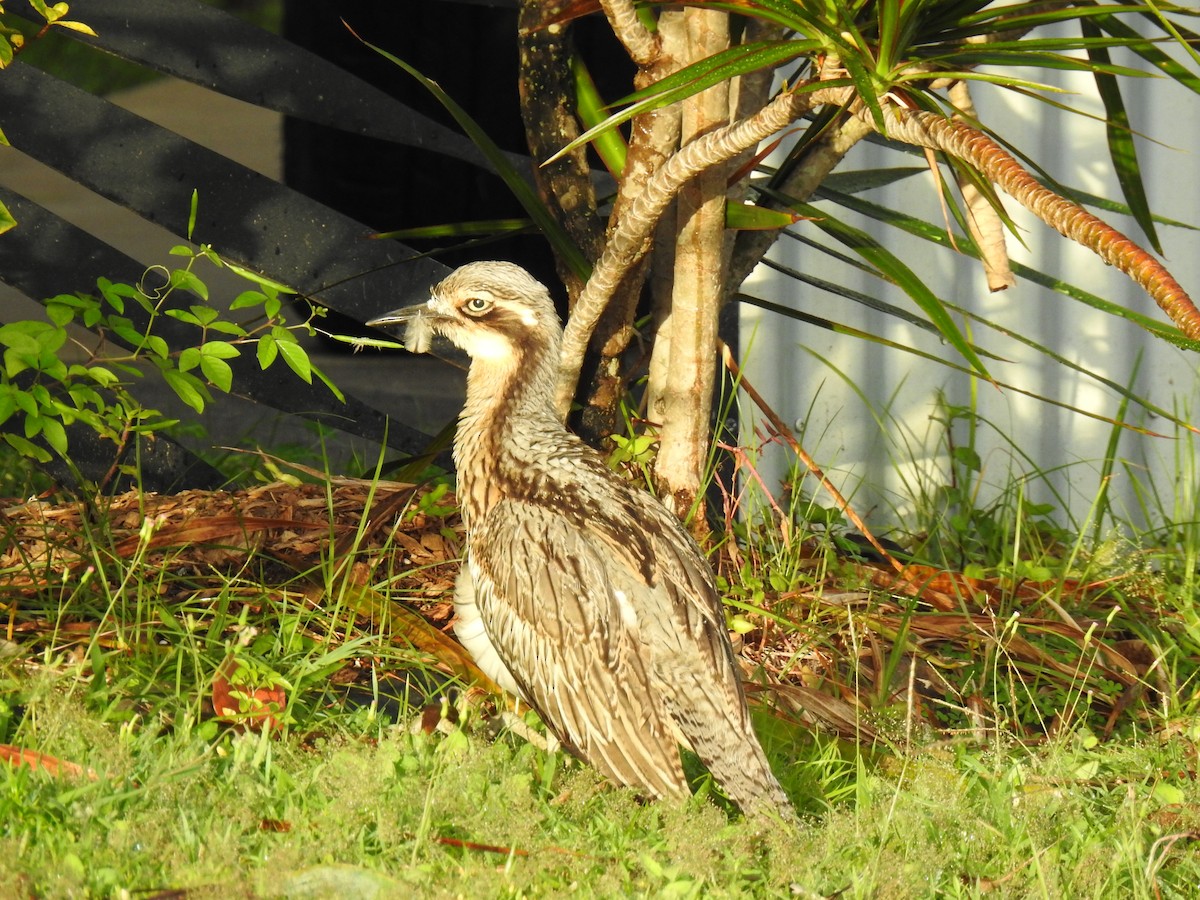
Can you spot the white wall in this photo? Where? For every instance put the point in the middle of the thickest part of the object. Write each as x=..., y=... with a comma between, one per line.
x=873, y=460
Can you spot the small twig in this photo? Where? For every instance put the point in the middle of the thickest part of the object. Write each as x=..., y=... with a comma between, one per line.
x=786, y=433
x=742, y=460
x=122, y=445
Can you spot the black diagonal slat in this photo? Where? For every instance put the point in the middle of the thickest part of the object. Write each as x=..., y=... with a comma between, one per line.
x=246, y=216
x=198, y=43
x=46, y=255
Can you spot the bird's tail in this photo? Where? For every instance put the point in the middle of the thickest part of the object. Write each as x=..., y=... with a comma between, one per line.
x=738, y=762
x=723, y=738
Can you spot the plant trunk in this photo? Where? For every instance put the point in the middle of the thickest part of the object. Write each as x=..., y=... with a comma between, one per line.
x=683, y=364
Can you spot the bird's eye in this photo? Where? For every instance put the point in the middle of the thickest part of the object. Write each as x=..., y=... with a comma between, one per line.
x=478, y=305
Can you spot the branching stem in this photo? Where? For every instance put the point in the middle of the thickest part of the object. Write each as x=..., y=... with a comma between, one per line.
x=641, y=45
x=627, y=245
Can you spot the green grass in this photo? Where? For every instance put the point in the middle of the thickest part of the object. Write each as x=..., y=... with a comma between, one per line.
x=370, y=803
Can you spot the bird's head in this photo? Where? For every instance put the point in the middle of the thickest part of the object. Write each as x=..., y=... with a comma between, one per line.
x=495, y=311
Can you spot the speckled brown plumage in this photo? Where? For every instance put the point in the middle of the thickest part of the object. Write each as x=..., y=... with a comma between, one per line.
x=580, y=593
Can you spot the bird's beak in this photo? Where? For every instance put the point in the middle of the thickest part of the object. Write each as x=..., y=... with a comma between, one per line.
x=399, y=316
x=420, y=324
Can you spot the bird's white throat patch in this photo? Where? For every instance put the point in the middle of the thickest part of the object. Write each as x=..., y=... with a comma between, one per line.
x=486, y=345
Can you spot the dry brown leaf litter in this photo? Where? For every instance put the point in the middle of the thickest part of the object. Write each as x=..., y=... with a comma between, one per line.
x=835, y=663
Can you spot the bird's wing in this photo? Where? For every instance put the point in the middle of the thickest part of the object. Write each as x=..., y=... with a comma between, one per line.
x=683, y=617
x=682, y=579
x=556, y=612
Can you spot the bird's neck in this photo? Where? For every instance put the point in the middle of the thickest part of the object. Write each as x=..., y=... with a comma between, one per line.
x=508, y=415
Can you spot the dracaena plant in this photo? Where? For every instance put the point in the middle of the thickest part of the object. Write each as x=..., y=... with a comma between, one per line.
x=719, y=84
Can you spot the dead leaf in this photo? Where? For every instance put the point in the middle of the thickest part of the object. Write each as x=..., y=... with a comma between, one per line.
x=236, y=700
x=19, y=756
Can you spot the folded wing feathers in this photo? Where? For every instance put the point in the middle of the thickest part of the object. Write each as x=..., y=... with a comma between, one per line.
x=590, y=683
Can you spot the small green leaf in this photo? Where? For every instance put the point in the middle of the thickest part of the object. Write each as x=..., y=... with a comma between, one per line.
x=217, y=371
x=183, y=315
x=1169, y=794
x=205, y=315
x=59, y=313
x=294, y=355
x=20, y=337
x=6, y=219
x=247, y=299
x=189, y=359
x=115, y=293
x=187, y=387
x=124, y=329
x=102, y=376
x=191, y=223
x=55, y=435
x=967, y=456
x=27, y=448
x=220, y=349
x=26, y=402
x=50, y=340
x=82, y=395
x=157, y=346
x=14, y=364
x=740, y=624
x=41, y=394
x=268, y=349
x=261, y=280
x=76, y=26
x=227, y=328
x=189, y=281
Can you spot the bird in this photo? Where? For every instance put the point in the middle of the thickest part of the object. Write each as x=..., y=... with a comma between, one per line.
x=580, y=593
